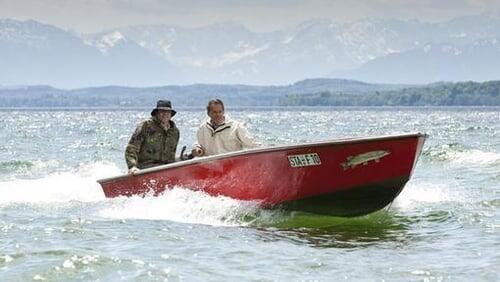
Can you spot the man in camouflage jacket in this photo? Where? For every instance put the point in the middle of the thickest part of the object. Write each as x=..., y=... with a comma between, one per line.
x=154, y=142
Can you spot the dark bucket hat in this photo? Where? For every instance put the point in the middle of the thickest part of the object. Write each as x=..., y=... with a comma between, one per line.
x=163, y=105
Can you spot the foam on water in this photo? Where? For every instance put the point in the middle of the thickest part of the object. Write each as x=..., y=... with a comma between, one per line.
x=80, y=185
x=416, y=193
x=182, y=205
x=179, y=204
x=475, y=157
x=457, y=154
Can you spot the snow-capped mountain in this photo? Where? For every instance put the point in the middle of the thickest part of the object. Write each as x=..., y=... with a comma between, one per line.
x=477, y=61
x=34, y=53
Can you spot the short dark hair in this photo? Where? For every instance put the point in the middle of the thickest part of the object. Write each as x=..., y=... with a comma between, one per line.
x=214, y=102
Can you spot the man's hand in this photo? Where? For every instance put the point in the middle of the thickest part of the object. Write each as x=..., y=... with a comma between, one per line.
x=197, y=151
x=133, y=170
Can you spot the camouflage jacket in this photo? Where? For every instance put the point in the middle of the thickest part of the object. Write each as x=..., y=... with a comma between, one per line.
x=152, y=145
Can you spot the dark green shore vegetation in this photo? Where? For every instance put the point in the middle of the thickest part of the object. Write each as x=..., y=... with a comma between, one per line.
x=311, y=92
x=446, y=94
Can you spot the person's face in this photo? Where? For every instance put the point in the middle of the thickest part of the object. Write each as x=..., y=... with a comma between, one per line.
x=164, y=115
x=216, y=114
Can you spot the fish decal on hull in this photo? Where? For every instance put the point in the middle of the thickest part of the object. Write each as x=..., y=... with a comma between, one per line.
x=364, y=158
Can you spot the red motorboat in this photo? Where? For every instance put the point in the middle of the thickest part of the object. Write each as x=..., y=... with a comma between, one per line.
x=345, y=177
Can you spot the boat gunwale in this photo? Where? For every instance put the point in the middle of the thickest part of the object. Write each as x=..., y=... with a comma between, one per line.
x=193, y=161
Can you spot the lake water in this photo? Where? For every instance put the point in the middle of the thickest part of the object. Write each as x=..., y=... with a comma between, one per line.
x=56, y=224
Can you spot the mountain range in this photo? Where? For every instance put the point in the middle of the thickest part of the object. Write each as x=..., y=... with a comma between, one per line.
x=371, y=50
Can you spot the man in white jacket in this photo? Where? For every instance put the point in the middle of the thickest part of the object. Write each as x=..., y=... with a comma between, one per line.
x=218, y=134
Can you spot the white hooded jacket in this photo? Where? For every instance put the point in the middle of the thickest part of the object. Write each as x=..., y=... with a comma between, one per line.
x=228, y=137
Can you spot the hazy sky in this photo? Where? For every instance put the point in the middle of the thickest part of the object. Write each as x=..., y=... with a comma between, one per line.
x=258, y=15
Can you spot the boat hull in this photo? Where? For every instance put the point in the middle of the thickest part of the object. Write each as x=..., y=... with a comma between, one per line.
x=348, y=177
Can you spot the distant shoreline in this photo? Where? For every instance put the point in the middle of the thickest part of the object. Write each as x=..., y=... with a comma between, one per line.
x=311, y=93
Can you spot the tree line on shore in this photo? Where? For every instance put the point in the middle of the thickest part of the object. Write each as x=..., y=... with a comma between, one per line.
x=319, y=92
x=443, y=94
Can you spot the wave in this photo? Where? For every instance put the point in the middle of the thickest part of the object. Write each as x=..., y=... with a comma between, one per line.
x=424, y=192
x=58, y=187
x=18, y=168
x=419, y=196
x=458, y=154
x=183, y=205
x=15, y=166
x=71, y=194
x=77, y=192
x=493, y=203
